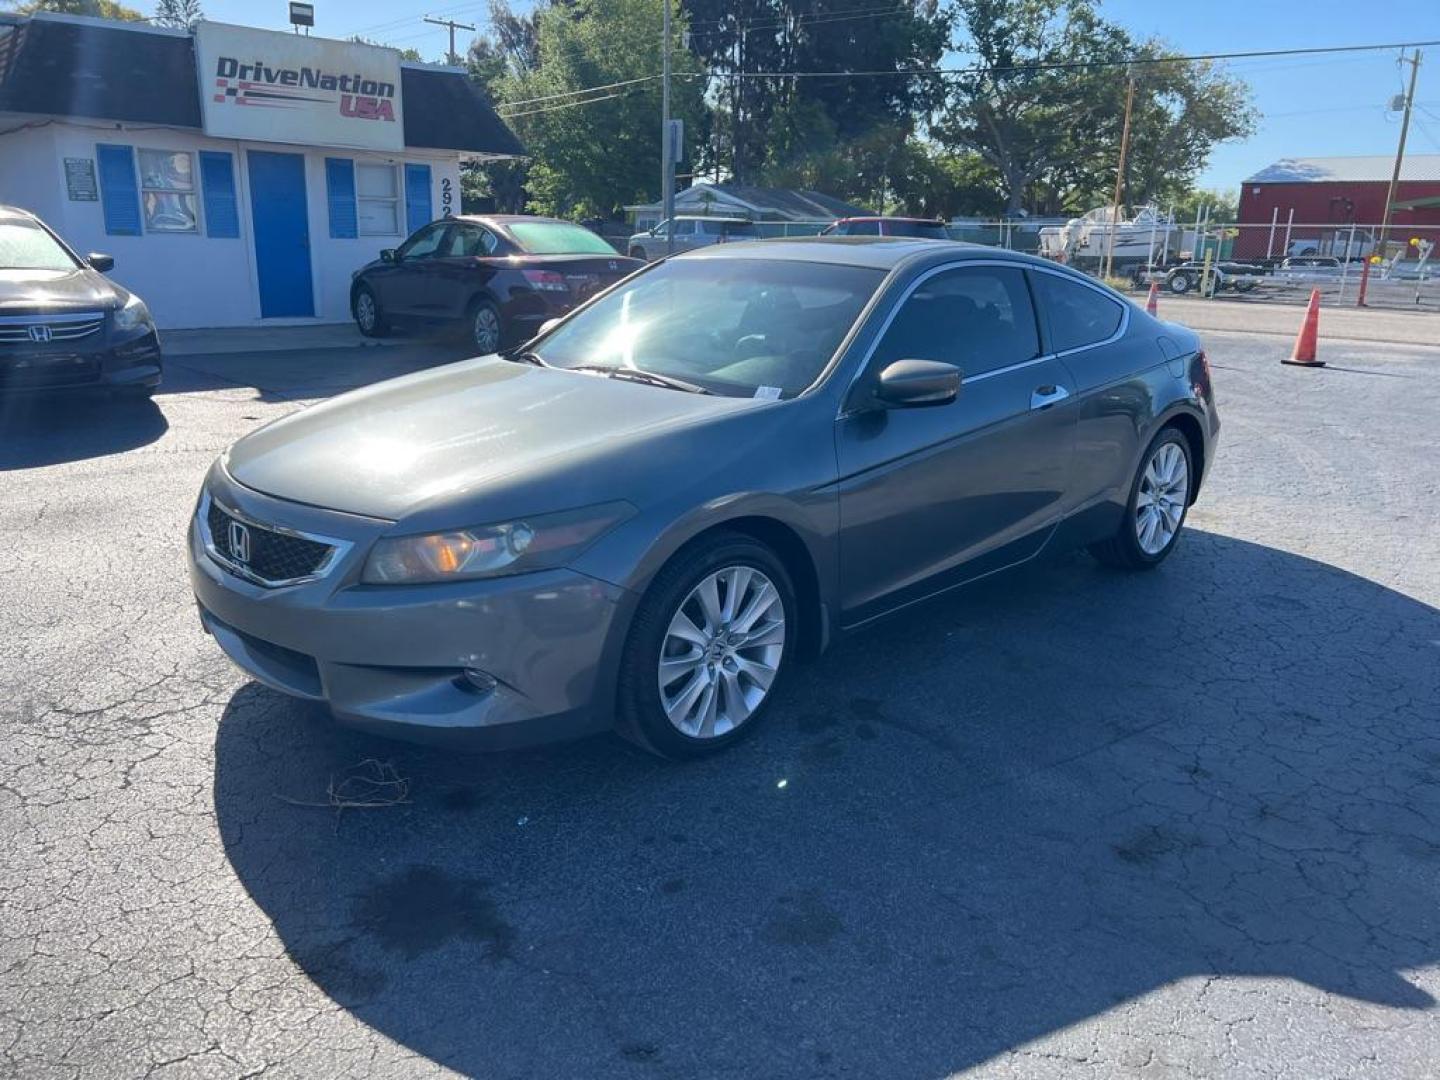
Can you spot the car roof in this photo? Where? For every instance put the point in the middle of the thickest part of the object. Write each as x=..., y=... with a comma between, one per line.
x=891, y=217
x=879, y=252
x=506, y=219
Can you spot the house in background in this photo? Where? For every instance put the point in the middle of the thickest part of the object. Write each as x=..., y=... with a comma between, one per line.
x=780, y=206
x=236, y=175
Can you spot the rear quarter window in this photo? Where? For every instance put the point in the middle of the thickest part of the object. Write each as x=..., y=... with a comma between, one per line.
x=1078, y=315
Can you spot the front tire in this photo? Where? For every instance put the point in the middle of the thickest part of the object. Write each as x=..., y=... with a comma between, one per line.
x=1179, y=284
x=711, y=640
x=368, y=316
x=637, y=253
x=1155, y=512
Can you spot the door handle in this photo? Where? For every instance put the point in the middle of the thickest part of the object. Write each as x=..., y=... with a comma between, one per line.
x=1049, y=394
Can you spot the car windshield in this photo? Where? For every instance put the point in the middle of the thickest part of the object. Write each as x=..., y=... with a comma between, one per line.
x=558, y=238
x=926, y=230
x=24, y=245
x=740, y=327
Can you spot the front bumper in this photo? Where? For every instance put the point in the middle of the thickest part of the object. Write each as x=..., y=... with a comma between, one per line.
x=114, y=365
x=391, y=659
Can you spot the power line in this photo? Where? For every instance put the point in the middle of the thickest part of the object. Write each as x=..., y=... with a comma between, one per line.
x=1065, y=65
x=566, y=105
x=574, y=93
x=408, y=19
x=972, y=70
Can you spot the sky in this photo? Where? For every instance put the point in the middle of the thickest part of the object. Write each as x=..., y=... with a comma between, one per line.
x=1313, y=106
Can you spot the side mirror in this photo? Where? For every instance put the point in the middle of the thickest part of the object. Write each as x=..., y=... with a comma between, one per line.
x=909, y=384
x=388, y=255
x=103, y=263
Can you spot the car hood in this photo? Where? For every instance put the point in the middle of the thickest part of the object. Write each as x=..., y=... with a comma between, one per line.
x=25, y=291
x=420, y=445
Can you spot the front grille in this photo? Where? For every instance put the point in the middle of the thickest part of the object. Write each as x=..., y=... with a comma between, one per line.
x=274, y=556
x=41, y=329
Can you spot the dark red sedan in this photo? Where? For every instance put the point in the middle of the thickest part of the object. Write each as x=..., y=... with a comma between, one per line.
x=499, y=277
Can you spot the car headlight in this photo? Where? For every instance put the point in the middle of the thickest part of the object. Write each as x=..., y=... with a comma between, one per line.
x=134, y=315
x=512, y=547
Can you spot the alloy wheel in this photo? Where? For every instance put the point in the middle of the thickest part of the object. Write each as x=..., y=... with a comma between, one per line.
x=1160, y=502
x=722, y=651
x=365, y=311
x=486, y=328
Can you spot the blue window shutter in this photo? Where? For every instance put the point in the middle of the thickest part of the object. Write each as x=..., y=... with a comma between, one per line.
x=417, y=197
x=340, y=194
x=119, y=194
x=217, y=176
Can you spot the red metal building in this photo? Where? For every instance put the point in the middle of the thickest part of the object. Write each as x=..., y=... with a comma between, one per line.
x=1327, y=196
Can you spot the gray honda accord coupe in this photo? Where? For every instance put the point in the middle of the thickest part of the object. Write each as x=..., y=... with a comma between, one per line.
x=644, y=517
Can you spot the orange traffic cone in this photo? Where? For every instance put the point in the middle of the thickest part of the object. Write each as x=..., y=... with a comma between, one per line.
x=1303, y=355
x=1151, y=301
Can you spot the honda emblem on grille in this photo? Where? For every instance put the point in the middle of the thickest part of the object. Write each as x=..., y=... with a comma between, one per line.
x=239, y=542
x=39, y=333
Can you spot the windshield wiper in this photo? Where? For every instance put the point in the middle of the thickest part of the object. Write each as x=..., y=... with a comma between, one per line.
x=525, y=356
x=629, y=374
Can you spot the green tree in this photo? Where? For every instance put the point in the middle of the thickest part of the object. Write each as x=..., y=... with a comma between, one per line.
x=1045, y=104
x=178, y=14
x=96, y=9
x=501, y=59
x=593, y=158
x=405, y=54
x=742, y=40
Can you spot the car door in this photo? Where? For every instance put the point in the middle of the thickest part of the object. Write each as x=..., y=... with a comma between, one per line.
x=453, y=273
x=1112, y=401
x=933, y=496
x=407, y=290
x=685, y=236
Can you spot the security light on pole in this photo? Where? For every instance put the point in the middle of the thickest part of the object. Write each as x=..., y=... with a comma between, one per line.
x=302, y=15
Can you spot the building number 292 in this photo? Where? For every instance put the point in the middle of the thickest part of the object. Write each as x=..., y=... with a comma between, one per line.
x=447, y=197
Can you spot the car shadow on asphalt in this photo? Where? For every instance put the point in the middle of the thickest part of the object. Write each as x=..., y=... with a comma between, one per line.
x=998, y=816
x=40, y=430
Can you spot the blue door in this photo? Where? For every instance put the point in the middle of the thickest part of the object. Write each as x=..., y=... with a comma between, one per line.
x=282, y=234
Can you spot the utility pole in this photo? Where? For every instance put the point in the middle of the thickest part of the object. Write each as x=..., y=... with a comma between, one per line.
x=1414, y=63
x=453, y=26
x=1119, y=179
x=667, y=152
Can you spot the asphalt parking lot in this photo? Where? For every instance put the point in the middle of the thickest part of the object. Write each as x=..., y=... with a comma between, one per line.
x=1072, y=823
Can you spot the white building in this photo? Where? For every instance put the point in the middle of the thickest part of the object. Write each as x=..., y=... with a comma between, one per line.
x=236, y=175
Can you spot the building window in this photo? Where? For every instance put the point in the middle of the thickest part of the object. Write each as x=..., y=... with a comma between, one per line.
x=377, y=191
x=167, y=191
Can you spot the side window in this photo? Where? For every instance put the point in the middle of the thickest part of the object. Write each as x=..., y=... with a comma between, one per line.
x=977, y=318
x=863, y=228
x=1079, y=315
x=424, y=243
x=684, y=228
x=468, y=240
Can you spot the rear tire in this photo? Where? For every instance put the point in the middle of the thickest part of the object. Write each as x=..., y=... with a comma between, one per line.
x=368, y=317
x=1179, y=284
x=733, y=644
x=1155, y=512
x=484, y=329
